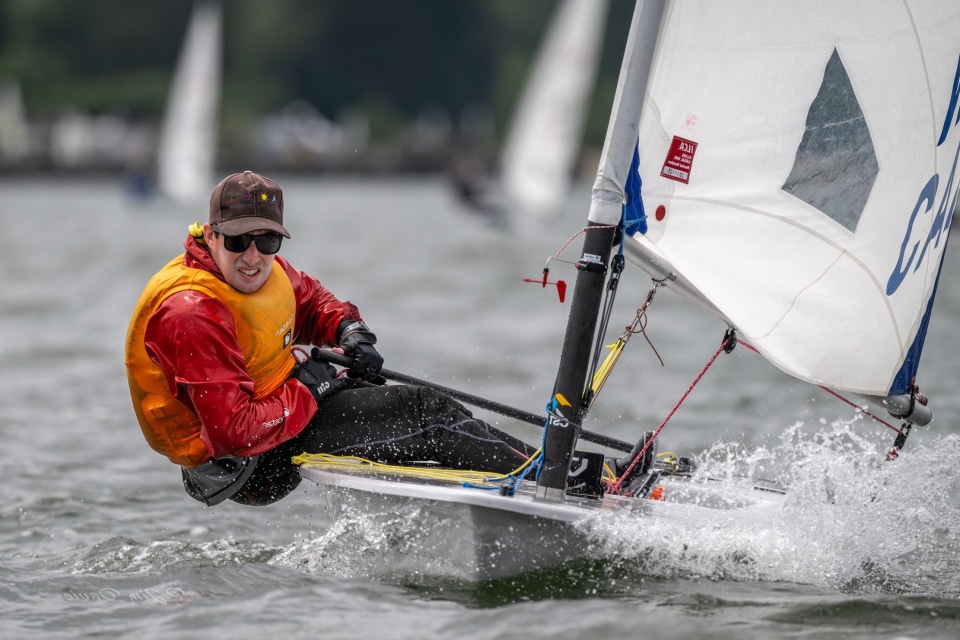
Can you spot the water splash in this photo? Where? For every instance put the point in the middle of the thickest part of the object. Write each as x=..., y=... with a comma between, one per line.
x=409, y=540
x=850, y=520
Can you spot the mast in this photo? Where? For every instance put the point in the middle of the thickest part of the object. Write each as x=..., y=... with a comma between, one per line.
x=606, y=207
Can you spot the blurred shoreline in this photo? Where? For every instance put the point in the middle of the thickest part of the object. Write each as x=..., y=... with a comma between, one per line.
x=295, y=139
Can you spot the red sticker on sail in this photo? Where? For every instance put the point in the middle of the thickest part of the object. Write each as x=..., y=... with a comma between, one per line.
x=679, y=160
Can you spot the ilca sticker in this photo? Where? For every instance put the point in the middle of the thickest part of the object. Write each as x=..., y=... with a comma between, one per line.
x=679, y=160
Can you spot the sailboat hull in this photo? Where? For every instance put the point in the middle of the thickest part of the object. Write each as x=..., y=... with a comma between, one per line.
x=484, y=537
x=488, y=536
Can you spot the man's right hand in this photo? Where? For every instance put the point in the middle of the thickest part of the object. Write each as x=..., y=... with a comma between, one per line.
x=319, y=376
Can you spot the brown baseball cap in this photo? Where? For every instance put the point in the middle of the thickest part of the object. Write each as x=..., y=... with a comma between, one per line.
x=245, y=202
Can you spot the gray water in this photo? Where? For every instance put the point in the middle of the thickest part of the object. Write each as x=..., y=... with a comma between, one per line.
x=98, y=539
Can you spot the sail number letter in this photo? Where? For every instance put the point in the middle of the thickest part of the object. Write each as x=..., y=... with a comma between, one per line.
x=900, y=271
x=925, y=203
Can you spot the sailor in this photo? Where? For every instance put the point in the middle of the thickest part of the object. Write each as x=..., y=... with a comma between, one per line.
x=217, y=387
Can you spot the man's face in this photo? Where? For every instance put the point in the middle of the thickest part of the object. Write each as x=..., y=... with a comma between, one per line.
x=245, y=271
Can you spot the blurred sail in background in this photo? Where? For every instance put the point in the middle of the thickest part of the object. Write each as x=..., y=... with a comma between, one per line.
x=188, y=137
x=13, y=123
x=541, y=150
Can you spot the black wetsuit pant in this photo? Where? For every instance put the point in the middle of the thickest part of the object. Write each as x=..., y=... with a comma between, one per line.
x=394, y=424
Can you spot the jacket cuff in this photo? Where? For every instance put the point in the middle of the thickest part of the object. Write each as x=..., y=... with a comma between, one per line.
x=350, y=326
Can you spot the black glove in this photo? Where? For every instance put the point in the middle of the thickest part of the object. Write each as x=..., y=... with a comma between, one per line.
x=357, y=342
x=319, y=376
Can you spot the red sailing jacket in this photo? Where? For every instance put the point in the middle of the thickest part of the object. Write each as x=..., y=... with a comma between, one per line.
x=192, y=337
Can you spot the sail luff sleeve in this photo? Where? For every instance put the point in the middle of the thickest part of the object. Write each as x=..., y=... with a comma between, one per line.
x=606, y=204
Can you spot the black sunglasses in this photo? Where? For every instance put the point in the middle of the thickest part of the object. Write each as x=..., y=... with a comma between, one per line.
x=267, y=244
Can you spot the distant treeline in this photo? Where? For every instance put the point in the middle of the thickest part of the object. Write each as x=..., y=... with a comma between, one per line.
x=390, y=58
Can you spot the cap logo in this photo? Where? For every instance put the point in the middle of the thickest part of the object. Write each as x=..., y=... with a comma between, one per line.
x=256, y=195
x=247, y=201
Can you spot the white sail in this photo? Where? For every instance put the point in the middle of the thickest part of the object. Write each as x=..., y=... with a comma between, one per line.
x=14, y=128
x=188, y=138
x=798, y=167
x=546, y=134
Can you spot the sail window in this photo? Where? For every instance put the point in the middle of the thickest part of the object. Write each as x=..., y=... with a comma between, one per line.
x=836, y=165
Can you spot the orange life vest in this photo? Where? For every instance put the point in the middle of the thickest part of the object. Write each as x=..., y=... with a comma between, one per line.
x=264, y=320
